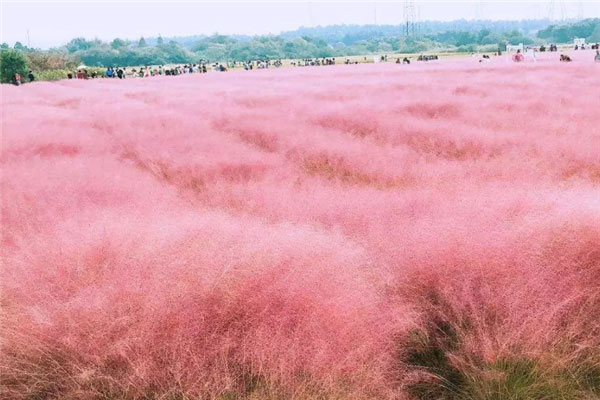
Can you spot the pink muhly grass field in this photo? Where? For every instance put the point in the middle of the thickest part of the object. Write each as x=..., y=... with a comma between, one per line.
x=427, y=231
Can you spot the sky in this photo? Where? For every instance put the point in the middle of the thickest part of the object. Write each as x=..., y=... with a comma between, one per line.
x=53, y=23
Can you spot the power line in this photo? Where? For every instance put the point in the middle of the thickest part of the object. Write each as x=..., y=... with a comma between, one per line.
x=551, y=10
x=557, y=7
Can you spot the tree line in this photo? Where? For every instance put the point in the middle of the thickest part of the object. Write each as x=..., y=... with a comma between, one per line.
x=330, y=41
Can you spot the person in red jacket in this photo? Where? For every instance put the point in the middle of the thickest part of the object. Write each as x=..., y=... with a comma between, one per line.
x=518, y=57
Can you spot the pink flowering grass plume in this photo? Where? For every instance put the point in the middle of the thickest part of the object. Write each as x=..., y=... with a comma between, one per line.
x=423, y=231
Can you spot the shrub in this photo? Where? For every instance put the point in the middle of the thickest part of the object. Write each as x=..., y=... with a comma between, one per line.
x=39, y=61
x=12, y=62
x=51, y=75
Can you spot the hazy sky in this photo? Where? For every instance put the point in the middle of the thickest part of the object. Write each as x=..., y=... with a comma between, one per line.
x=53, y=23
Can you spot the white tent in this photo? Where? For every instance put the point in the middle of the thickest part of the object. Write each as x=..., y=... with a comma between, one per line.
x=511, y=48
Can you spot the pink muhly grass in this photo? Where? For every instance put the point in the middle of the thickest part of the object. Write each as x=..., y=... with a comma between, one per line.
x=300, y=233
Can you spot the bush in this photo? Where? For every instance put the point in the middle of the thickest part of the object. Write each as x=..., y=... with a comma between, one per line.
x=466, y=48
x=58, y=74
x=52, y=75
x=12, y=62
x=39, y=61
x=488, y=48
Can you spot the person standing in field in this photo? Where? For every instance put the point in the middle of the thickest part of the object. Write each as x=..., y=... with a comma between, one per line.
x=30, y=76
x=597, y=58
x=531, y=53
x=518, y=57
x=17, y=79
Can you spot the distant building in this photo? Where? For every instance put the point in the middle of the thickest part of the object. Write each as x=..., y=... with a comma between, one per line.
x=513, y=48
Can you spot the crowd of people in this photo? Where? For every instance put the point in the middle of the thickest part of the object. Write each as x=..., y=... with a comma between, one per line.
x=427, y=57
x=582, y=46
x=254, y=64
x=145, y=72
x=309, y=62
x=519, y=57
x=265, y=64
x=201, y=67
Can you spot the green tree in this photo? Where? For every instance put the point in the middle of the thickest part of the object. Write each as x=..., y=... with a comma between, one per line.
x=19, y=46
x=5, y=46
x=595, y=36
x=160, y=40
x=12, y=62
x=142, y=42
x=587, y=28
x=118, y=43
x=79, y=44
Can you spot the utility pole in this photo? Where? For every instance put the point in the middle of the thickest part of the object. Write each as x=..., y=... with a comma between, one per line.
x=375, y=13
x=410, y=16
x=418, y=20
x=28, y=39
